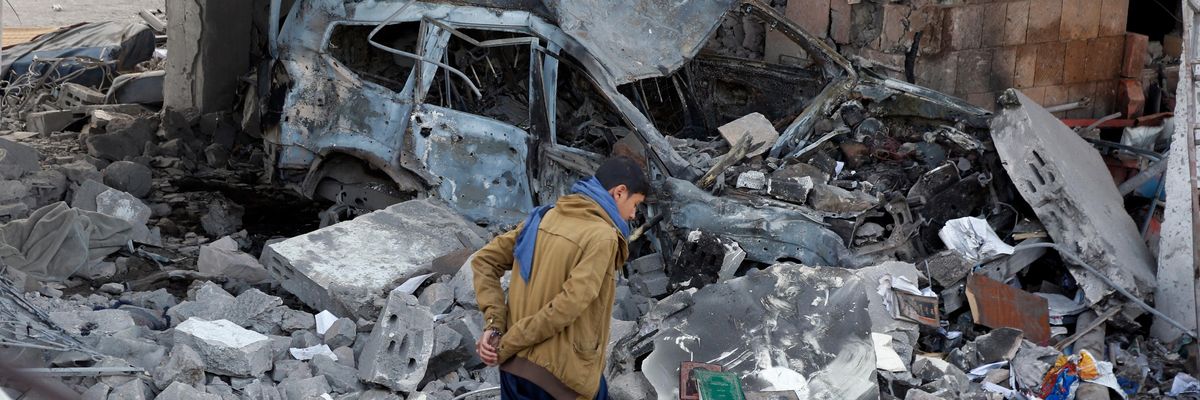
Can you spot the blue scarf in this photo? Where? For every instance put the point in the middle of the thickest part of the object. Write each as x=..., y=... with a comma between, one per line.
x=527, y=239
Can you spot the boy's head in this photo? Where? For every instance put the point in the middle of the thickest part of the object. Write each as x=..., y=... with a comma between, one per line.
x=626, y=182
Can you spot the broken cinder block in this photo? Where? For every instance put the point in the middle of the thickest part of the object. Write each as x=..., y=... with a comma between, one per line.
x=398, y=350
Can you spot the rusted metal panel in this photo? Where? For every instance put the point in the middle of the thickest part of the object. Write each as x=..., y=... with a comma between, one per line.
x=996, y=305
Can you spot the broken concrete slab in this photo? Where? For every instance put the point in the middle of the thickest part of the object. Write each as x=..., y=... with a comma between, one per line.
x=837, y=363
x=1065, y=181
x=398, y=351
x=130, y=177
x=1176, y=247
x=788, y=185
x=226, y=348
x=97, y=323
x=762, y=133
x=344, y=268
x=137, y=351
x=439, y=297
x=223, y=258
x=996, y=305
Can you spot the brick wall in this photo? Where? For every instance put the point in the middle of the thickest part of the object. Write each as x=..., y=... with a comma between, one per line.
x=1056, y=51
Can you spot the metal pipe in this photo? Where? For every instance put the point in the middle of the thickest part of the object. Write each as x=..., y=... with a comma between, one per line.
x=1082, y=103
x=494, y=390
x=372, y=42
x=82, y=371
x=1153, y=171
x=1079, y=262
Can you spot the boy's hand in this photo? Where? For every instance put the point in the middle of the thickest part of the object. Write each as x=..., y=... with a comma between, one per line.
x=487, y=345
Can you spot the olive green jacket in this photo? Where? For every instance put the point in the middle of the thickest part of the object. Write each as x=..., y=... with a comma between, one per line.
x=560, y=320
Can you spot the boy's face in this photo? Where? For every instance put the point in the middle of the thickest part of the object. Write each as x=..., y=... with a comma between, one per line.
x=627, y=202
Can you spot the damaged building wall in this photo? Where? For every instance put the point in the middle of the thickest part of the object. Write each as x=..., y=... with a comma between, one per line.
x=1055, y=51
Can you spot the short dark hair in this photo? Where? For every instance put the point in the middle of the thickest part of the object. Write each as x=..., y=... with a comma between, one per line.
x=621, y=170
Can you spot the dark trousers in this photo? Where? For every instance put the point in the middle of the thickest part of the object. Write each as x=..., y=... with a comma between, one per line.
x=513, y=387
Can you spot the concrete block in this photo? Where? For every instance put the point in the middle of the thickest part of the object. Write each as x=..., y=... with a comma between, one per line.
x=1045, y=19
x=223, y=218
x=183, y=391
x=182, y=365
x=345, y=268
x=992, y=29
x=294, y=320
x=97, y=323
x=1050, y=64
x=227, y=349
x=47, y=122
x=310, y=388
x=439, y=297
x=1080, y=20
x=341, y=378
x=450, y=351
x=259, y=390
x=129, y=177
x=1003, y=69
x=840, y=21
x=341, y=333
x=116, y=203
x=762, y=133
x=223, y=257
x=99, y=391
x=399, y=348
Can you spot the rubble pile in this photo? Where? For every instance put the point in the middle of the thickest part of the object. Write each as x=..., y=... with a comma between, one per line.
x=863, y=238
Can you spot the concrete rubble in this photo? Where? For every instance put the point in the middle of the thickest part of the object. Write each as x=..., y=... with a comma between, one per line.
x=281, y=209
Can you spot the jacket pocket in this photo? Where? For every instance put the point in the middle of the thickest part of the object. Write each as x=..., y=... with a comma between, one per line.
x=585, y=338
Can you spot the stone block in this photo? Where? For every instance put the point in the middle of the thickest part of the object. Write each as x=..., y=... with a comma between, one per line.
x=1131, y=99
x=1080, y=20
x=1075, y=70
x=1049, y=64
x=225, y=348
x=973, y=67
x=1003, y=69
x=762, y=133
x=80, y=171
x=99, y=391
x=993, y=26
x=1026, y=66
x=840, y=21
x=183, y=391
x=96, y=323
x=1016, y=22
x=1104, y=58
x=1045, y=19
x=1113, y=16
x=259, y=390
x=47, y=122
x=965, y=27
x=118, y=146
x=223, y=218
x=399, y=348
x=347, y=267
x=450, y=351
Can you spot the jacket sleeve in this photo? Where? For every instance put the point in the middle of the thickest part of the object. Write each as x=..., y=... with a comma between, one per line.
x=578, y=291
x=488, y=265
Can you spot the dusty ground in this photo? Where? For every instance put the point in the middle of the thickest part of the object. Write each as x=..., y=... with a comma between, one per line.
x=40, y=13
